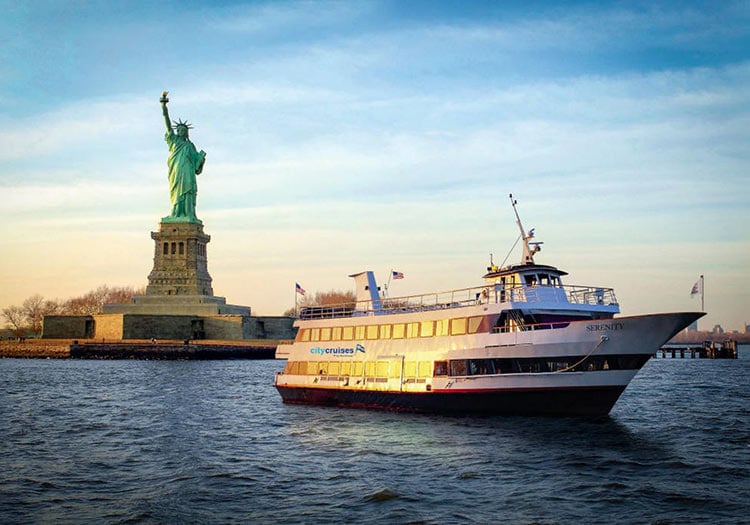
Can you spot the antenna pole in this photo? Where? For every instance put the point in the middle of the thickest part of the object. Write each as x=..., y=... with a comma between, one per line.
x=703, y=291
x=528, y=253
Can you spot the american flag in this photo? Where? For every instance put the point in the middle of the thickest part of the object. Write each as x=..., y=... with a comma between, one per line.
x=397, y=275
x=299, y=289
x=696, y=288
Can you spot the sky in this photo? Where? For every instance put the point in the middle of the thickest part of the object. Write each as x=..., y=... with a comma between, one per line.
x=344, y=136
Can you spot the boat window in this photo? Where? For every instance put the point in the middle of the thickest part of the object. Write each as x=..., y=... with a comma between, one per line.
x=385, y=331
x=370, y=368
x=288, y=367
x=304, y=335
x=323, y=368
x=441, y=327
x=334, y=368
x=346, y=368
x=502, y=366
x=474, y=324
x=399, y=330
x=357, y=368
x=381, y=370
x=480, y=367
x=427, y=329
x=347, y=333
x=544, y=279
x=412, y=330
x=441, y=368
x=425, y=369
x=458, y=367
x=410, y=369
x=395, y=370
x=372, y=331
x=556, y=365
x=325, y=334
x=315, y=334
x=336, y=333
x=530, y=279
x=458, y=326
x=359, y=332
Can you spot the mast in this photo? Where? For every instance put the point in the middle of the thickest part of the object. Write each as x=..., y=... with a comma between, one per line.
x=529, y=248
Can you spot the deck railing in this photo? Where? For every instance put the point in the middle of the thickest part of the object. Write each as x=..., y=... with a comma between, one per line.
x=490, y=294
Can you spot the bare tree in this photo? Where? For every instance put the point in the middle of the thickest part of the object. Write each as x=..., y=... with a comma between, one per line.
x=33, y=310
x=346, y=299
x=15, y=318
x=93, y=302
x=330, y=298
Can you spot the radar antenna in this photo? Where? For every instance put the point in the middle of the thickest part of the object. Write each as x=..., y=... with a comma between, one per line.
x=529, y=248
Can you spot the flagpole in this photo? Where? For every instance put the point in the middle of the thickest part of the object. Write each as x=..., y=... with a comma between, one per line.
x=703, y=291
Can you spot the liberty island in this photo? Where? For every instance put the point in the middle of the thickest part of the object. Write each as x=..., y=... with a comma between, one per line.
x=179, y=303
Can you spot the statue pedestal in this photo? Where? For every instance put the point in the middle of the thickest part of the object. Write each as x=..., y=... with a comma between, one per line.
x=179, y=283
x=180, y=260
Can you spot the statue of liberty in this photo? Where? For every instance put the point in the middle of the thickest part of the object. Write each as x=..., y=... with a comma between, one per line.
x=184, y=162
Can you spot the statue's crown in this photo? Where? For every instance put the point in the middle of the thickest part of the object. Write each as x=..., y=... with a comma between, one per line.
x=179, y=123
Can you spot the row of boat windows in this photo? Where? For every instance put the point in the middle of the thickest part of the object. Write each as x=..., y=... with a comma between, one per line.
x=470, y=367
x=392, y=369
x=457, y=326
x=397, y=369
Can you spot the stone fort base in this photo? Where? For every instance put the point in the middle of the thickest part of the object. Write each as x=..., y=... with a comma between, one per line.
x=124, y=326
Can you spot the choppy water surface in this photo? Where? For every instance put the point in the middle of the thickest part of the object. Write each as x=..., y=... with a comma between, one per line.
x=211, y=442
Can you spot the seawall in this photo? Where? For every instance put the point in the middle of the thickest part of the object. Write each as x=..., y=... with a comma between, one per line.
x=164, y=350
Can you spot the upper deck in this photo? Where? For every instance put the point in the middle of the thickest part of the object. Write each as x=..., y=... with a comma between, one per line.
x=560, y=297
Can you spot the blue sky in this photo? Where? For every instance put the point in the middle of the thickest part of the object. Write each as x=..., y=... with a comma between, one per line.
x=344, y=136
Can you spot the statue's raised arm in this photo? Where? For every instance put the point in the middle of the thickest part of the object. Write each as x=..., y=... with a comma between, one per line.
x=164, y=99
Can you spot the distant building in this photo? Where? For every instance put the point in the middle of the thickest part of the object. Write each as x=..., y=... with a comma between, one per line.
x=717, y=329
x=747, y=328
x=693, y=327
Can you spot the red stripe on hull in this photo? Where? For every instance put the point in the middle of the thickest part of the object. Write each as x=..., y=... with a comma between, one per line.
x=589, y=401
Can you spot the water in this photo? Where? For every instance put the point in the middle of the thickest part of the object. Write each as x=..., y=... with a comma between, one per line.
x=211, y=442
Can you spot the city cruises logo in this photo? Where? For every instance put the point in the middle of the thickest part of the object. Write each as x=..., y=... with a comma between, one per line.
x=338, y=350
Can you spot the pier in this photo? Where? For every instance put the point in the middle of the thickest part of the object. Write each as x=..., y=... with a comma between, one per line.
x=706, y=350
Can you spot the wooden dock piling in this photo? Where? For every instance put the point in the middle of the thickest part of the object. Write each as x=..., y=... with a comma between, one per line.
x=707, y=350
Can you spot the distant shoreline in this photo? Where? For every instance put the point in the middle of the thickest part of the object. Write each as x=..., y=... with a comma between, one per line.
x=700, y=337
x=138, y=349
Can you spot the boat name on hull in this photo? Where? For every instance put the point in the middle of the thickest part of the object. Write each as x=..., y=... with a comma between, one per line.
x=605, y=327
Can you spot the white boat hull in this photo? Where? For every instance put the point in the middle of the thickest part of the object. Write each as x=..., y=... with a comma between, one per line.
x=602, y=357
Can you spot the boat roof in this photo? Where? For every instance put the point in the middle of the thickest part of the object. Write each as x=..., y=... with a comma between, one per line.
x=493, y=271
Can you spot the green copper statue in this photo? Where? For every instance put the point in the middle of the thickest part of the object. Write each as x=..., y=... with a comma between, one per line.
x=184, y=162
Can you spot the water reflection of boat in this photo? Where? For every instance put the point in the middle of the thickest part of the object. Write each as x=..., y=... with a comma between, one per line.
x=520, y=343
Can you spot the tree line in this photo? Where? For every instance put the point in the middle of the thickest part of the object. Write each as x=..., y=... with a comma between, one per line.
x=329, y=298
x=26, y=319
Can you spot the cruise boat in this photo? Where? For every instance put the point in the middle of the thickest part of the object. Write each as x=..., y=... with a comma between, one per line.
x=521, y=342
